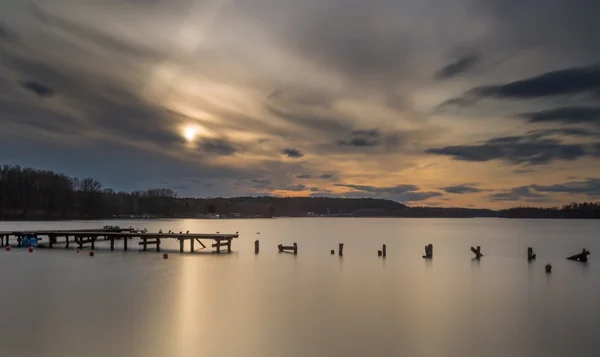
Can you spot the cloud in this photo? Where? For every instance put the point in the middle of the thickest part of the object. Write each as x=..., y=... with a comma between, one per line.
x=292, y=153
x=400, y=193
x=565, y=115
x=372, y=189
x=315, y=189
x=39, y=89
x=326, y=176
x=362, y=138
x=589, y=187
x=218, y=146
x=575, y=80
x=463, y=64
x=304, y=176
x=298, y=188
x=523, y=193
x=515, y=150
x=262, y=182
x=462, y=189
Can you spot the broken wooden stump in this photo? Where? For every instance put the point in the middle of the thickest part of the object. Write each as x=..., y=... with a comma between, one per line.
x=341, y=250
x=428, y=251
x=530, y=254
x=477, y=252
x=580, y=257
x=288, y=248
x=332, y=252
x=379, y=253
x=256, y=246
x=548, y=268
x=383, y=251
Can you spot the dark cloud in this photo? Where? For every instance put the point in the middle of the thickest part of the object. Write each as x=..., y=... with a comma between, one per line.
x=523, y=193
x=540, y=193
x=564, y=132
x=218, y=146
x=372, y=189
x=6, y=34
x=305, y=176
x=462, y=189
x=523, y=171
x=315, y=189
x=568, y=81
x=463, y=64
x=38, y=89
x=527, y=149
x=370, y=138
x=263, y=182
x=589, y=187
x=566, y=115
x=326, y=176
x=297, y=188
x=292, y=153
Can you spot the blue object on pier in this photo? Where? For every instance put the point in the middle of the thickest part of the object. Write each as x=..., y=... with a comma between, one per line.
x=29, y=240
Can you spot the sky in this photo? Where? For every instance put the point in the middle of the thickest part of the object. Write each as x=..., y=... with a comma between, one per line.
x=470, y=103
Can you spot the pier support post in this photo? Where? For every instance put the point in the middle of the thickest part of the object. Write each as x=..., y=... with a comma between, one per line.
x=530, y=254
x=79, y=240
x=428, y=251
x=477, y=252
x=341, y=250
x=67, y=238
x=180, y=245
x=124, y=243
x=581, y=257
x=145, y=243
x=256, y=246
x=158, y=244
x=295, y=248
x=384, y=250
x=229, y=245
x=112, y=242
x=191, y=245
x=93, y=239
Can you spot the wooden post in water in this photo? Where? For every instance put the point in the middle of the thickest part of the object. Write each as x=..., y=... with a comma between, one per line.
x=428, y=251
x=50, y=241
x=79, y=241
x=581, y=257
x=180, y=245
x=158, y=244
x=295, y=248
x=280, y=247
x=67, y=238
x=332, y=252
x=229, y=245
x=19, y=240
x=384, y=250
x=341, y=250
x=191, y=245
x=256, y=246
x=93, y=238
x=379, y=253
x=124, y=243
x=112, y=242
x=530, y=254
x=477, y=252
x=145, y=243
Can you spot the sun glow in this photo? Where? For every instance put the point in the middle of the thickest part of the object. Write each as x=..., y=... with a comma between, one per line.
x=191, y=132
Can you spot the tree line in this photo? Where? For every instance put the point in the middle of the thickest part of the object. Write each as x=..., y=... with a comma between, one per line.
x=27, y=193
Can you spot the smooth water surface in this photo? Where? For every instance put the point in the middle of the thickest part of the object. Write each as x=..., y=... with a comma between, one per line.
x=57, y=303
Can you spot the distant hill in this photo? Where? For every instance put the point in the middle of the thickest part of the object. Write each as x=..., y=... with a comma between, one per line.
x=37, y=194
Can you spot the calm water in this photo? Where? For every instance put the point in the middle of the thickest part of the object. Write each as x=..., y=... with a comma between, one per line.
x=59, y=303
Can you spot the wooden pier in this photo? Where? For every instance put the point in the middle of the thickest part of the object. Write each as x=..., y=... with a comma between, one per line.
x=88, y=238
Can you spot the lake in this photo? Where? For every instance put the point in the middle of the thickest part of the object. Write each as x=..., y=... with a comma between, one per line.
x=60, y=303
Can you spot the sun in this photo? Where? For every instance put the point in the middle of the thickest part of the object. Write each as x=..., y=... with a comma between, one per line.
x=191, y=132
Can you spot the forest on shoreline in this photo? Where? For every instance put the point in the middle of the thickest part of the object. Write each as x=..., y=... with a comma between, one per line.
x=30, y=194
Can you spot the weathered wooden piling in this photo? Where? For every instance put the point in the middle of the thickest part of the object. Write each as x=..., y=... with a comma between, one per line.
x=341, y=250
x=291, y=248
x=256, y=246
x=332, y=252
x=428, y=251
x=379, y=253
x=384, y=251
x=580, y=257
x=548, y=268
x=530, y=254
x=477, y=252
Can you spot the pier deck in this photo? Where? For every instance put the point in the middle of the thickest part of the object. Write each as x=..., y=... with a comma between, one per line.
x=83, y=238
